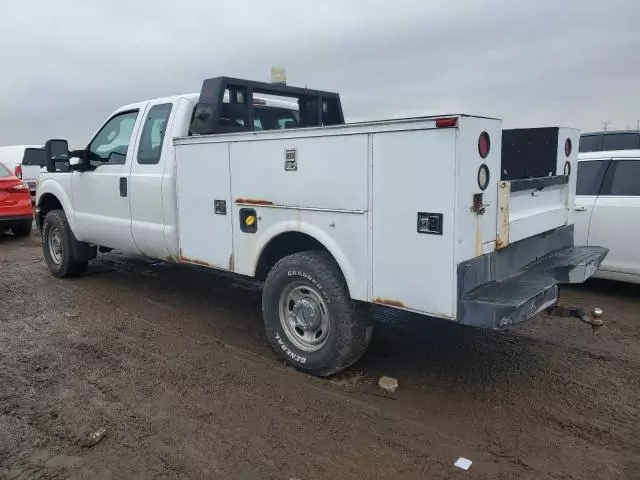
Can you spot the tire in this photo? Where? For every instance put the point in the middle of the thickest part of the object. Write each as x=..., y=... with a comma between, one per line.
x=310, y=284
x=59, y=258
x=22, y=229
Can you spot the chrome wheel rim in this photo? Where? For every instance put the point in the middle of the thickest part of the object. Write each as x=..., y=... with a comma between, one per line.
x=304, y=317
x=54, y=241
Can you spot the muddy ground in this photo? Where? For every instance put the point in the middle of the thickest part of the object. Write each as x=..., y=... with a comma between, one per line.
x=173, y=363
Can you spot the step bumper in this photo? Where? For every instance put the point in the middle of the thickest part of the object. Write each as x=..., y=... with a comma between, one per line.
x=498, y=304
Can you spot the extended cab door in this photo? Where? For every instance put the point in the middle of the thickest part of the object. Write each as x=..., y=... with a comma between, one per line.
x=591, y=174
x=147, y=186
x=615, y=222
x=101, y=193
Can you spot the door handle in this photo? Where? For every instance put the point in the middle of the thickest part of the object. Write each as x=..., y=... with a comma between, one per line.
x=123, y=186
x=580, y=209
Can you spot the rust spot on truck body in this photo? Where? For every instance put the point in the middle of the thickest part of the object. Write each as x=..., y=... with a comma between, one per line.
x=390, y=303
x=195, y=261
x=231, y=263
x=252, y=201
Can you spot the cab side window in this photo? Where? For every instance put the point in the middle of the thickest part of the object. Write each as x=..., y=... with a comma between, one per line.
x=153, y=132
x=623, y=179
x=112, y=141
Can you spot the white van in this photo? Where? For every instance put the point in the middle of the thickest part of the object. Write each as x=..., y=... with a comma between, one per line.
x=25, y=162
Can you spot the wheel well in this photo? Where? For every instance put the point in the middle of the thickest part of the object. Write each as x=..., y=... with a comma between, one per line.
x=47, y=203
x=283, y=245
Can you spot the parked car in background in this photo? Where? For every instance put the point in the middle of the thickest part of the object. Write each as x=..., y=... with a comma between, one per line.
x=609, y=141
x=16, y=211
x=607, y=210
x=25, y=162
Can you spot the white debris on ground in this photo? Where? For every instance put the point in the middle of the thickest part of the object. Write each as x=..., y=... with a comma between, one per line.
x=388, y=384
x=463, y=463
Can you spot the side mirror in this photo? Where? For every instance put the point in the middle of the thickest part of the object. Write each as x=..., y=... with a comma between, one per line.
x=56, y=151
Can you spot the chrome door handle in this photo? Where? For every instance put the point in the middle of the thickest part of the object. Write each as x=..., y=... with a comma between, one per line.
x=580, y=209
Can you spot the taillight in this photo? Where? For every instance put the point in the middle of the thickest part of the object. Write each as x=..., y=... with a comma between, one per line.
x=19, y=188
x=446, y=122
x=567, y=147
x=484, y=144
x=18, y=171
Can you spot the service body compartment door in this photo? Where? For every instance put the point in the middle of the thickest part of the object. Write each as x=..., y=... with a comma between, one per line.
x=204, y=205
x=413, y=221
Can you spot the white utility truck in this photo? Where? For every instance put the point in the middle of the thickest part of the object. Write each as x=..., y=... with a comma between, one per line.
x=447, y=216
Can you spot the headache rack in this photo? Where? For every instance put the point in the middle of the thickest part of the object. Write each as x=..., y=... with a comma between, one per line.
x=214, y=115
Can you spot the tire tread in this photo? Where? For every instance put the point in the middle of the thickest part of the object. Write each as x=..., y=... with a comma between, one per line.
x=353, y=339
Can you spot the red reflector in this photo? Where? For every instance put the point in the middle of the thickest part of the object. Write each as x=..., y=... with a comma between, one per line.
x=446, y=122
x=567, y=147
x=484, y=144
x=18, y=171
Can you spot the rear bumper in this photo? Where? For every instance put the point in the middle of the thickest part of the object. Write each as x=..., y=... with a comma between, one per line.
x=516, y=289
x=4, y=221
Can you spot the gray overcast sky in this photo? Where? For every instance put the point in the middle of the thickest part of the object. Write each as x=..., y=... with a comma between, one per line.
x=66, y=64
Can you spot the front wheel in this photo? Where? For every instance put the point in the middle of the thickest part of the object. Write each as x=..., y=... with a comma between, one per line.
x=310, y=319
x=57, y=246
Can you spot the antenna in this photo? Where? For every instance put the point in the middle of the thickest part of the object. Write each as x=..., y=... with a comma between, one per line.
x=605, y=125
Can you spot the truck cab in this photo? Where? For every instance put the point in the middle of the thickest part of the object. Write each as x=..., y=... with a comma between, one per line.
x=449, y=216
x=119, y=190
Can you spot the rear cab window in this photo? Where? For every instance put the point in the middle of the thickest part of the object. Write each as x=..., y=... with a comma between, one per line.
x=265, y=116
x=590, y=176
x=33, y=156
x=274, y=118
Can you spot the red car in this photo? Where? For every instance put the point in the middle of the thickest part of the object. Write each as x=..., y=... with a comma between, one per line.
x=16, y=211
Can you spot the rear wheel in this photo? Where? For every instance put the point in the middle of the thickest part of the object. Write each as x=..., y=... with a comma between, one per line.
x=310, y=319
x=57, y=246
x=22, y=229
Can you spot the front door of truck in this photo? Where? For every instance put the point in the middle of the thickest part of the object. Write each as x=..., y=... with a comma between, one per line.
x=101, y=192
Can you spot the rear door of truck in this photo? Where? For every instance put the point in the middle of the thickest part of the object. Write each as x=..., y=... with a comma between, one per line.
x=147, y=189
